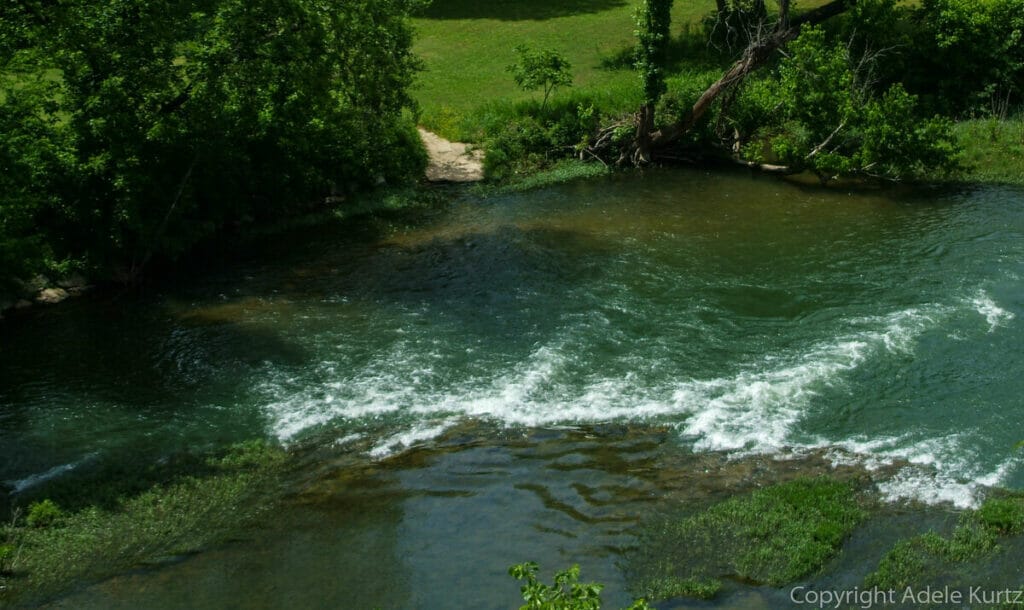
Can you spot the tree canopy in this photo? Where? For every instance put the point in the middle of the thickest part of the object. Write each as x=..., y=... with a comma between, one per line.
x=134, y=128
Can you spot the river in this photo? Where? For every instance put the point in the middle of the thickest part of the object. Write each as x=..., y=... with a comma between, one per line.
x=504, y=379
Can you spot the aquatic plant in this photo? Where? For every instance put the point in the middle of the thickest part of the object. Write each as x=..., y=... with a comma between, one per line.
x=772, y=536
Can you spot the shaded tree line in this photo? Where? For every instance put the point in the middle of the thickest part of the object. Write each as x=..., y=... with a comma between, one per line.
x=132, y=129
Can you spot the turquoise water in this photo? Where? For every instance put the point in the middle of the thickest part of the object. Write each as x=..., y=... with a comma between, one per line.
x=740, y=317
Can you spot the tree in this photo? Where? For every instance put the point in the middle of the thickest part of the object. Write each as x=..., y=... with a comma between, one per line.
x=545, y=69
x=653, y=20
x=759, y=52
x=828, y=117
x=151, y=124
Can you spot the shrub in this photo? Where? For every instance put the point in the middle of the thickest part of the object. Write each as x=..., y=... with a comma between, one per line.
x=567, y=593
x=43, y=514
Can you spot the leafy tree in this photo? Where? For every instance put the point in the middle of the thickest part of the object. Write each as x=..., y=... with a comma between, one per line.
x=545, y=69
x=967, y=52
x=831, y=121
x=134, y=128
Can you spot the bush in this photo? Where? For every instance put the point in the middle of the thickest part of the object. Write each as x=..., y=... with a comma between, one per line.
x=525, y=137
x=830, y=120
x=43, y=514
x=567, y=593
x=965, y=52
x=133, y=129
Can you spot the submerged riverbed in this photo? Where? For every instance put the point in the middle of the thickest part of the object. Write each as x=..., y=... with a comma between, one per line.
x=503, y=380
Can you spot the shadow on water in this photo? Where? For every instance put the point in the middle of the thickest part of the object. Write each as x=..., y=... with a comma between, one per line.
x=516, y=10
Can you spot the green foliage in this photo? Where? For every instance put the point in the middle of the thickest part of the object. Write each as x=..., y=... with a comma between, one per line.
x=829, y=120
x=968, y=52
x=567, y=593
x=43, y=514
x=772, y=536
x=136, y=128
x=918, y=559
x=545, y=70
x=525, y=137
x=653, y=22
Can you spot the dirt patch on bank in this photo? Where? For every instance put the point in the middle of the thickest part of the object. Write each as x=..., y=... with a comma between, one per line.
x=452, y=161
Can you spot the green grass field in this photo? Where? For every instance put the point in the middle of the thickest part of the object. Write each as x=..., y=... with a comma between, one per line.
x=466, y=46
x=993, y=149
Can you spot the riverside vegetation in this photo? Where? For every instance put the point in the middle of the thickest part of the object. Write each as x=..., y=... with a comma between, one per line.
x=119, y=150
x=131, y=133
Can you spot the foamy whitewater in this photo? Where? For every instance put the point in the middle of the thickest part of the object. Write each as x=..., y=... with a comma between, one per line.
x=758, y=410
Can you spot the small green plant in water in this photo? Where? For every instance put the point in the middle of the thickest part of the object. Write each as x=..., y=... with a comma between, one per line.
x=772, y=536
x=920, y=559
x=567, y=593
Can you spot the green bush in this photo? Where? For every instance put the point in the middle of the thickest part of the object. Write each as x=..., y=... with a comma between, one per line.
x=567, y=593
x=43, y=514
x=524, y=137
x=829, y=118
x=966, y=53
x=6, y=557
x=132, y=129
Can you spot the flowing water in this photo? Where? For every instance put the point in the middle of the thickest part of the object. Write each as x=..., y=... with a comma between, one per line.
x=514, y=378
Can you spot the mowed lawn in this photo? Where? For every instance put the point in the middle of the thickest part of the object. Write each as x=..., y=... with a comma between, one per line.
x=466, y=46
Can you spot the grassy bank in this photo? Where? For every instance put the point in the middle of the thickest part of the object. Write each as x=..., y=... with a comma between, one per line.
x=467, y=94
x=993, y=150
x=96, y=530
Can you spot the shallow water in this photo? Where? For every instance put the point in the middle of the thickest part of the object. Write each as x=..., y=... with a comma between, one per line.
x=736, y=316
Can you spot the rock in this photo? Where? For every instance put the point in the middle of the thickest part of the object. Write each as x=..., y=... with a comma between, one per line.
x=74, y=281
x=22, y=304
x=34, y=285
x=51, y=296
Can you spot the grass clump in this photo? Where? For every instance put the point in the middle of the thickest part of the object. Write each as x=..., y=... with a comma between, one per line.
x=176, y=517
x=772, y=536
x=925, y=557
x=560, y=172
x=992, y=149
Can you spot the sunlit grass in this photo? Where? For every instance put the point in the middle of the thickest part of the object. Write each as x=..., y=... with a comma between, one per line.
x=993, y=149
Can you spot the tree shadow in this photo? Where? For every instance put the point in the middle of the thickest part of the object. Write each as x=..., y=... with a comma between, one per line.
x=516, y=10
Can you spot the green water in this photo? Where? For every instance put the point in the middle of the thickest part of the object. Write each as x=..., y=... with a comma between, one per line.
x=484, y=368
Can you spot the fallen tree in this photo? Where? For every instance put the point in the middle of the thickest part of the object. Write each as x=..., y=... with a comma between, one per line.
x=763, y=45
